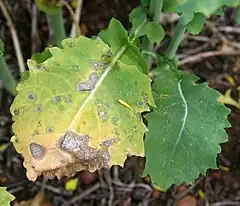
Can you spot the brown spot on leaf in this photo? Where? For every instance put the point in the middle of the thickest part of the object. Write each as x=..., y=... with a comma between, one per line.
x=37, y=151
x=67, y=156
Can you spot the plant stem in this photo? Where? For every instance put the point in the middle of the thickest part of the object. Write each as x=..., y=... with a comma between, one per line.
x=176, y=39
x=57, y=25
x=155, y=9
x=14, y=37
x=78, y=12
x=7, y=78
x=75, y=18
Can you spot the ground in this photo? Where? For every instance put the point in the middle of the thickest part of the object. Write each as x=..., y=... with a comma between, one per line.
x=207, y=55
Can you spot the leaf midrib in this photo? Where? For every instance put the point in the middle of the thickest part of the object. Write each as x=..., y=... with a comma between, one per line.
x=108, y=69
x=183, y=121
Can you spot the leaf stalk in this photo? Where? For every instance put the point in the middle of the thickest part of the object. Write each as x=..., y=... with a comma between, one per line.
x=56, y=22
x=176, y=39
x=155, y=8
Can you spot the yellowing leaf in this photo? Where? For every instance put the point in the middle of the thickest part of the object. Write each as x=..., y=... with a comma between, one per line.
x=71, y=184
x=2, y=147
x=67, y=113
x=227, y=99
x=5, y=197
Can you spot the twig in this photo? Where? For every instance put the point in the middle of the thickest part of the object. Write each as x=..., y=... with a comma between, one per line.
x=193, y=51
x=14, y=37
x=48, y=187
x=111, y=191
x=225, y=203
x=204, y=55
x=229, y=29
x=185, y=192
x=34, y=34
x=77, y=18
x=85, y=193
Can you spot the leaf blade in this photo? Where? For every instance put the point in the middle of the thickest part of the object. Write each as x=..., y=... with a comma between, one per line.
x=78, y=102
x=6, y=197
x=186, y=150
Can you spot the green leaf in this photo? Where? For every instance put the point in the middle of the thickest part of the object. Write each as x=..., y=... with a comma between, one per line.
x=237, y=15
x=141, y=26
x=80, y=109
x=116, y=36
x=137, y=17
x=1, y=48
x=5, y=197
x=219, y=12
x=9, y=82
x=145, y=3
x=41, y=57
x=49, y=7
x=188, y=7
x=154, y=32
x=196, y=25
x=138, y=13
x=185, y=129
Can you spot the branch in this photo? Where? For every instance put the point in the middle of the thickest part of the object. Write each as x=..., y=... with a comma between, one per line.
x=77, y=18
x=14, y=37
x=204, y=55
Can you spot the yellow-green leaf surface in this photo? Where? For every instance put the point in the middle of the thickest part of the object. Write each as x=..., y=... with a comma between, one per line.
x=71, y=114
x=5, y=197
x=71, y=185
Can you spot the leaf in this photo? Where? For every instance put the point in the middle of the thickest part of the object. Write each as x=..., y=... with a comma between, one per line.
x=219, y=12
x=116, y=36
x=154, y=32
x=71, y=185
x=145, y=3
x=8, y=80
x=70, y=112
x=188, y=7
x=41, y=57
x=50, y=7
x=5, y=197
x=138, y=13
x=237, y=15
x=1, y=48
x=227, y=99
x=137, y=17
x=196, y=25
x=185, y=129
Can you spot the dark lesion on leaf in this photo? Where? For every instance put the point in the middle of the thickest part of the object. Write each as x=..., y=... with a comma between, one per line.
x=78, y=145
x=37, y=151
x=89, y=84
x=68, y=155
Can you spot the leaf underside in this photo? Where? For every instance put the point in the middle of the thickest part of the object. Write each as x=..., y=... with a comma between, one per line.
x=185, y=129
x=69, y=114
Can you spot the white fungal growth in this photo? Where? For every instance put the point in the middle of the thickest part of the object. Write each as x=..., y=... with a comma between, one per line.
x=71, y=141
x=31, y=96
x=89, y=84
x=38, y=108
x=103, y=115
x=56, y=99
x=37, y=151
